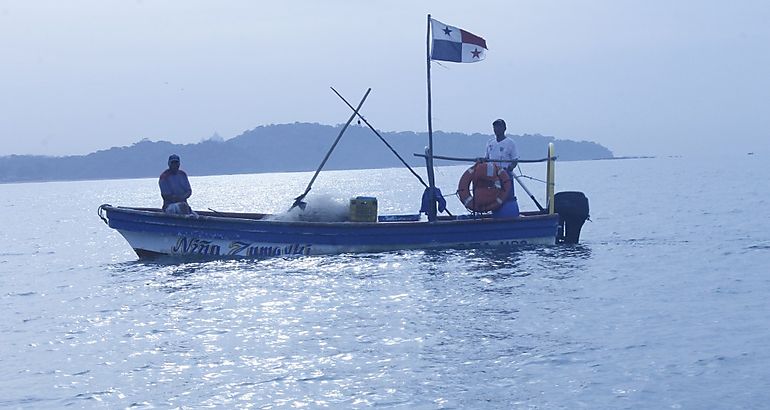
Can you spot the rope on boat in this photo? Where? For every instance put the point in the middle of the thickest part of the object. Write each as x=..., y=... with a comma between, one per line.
x=516, y=177
x=361, y=117
x=522, y=161
x=532, y=178
x=381, y=138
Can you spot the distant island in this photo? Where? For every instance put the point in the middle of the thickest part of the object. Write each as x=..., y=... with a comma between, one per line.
x=278, y=148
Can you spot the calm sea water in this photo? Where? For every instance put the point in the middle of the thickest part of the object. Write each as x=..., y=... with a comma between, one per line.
x=664, y=304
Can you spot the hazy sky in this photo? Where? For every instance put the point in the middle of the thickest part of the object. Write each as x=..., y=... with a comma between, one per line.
x=638, y=76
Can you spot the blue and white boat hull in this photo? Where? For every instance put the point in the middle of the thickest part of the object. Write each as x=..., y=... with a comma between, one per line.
x=152, y=233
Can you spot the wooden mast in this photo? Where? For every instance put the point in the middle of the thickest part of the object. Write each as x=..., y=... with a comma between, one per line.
x=429, y=149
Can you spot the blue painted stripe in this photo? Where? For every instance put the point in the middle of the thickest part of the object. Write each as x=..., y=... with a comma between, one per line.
x=447, y=51
x=335, y=233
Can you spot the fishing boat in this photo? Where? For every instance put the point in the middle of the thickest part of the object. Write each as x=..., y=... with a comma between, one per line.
x=153, y=233
x=483, y=190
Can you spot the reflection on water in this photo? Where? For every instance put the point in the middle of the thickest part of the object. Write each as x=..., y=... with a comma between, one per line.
x=643, y=314
x=565, y=252
x=408, y=327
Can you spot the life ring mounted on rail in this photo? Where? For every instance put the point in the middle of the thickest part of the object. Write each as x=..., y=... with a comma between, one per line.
x=484, y=187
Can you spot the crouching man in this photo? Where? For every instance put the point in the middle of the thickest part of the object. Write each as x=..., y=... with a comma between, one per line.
x=175, y=188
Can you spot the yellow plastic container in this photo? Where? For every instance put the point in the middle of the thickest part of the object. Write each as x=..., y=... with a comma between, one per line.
x=363, y=209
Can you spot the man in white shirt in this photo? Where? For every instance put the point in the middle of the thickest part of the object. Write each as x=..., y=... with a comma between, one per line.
x=503, y=148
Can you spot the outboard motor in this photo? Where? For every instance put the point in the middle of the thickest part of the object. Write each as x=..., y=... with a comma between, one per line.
x=572, y=207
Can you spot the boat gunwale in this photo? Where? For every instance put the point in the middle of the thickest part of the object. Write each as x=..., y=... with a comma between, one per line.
x=158, y=214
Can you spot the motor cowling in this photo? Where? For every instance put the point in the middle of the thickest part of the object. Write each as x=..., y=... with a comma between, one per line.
x=572, y=207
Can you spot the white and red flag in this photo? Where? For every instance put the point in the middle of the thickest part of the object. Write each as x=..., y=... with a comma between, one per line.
x=456, y=45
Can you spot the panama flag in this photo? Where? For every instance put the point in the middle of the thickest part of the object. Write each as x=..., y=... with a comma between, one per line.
x=453, y=44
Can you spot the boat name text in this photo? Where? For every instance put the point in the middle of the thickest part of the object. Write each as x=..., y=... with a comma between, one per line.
x=194, y=246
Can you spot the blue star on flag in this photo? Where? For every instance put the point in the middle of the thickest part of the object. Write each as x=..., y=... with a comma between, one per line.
x=455, y=44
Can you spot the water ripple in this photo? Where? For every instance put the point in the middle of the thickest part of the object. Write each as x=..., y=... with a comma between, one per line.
x=642, y=314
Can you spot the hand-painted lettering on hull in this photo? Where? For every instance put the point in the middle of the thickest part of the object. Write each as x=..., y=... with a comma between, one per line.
x=195, y=246
x=153, y=233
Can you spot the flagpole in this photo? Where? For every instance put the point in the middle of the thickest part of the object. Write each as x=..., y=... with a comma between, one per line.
x=429, y=150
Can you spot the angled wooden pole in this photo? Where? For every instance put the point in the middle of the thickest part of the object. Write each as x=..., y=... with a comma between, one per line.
x=298, y=201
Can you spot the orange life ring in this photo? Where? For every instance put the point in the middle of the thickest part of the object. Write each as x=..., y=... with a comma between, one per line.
x=491, y=186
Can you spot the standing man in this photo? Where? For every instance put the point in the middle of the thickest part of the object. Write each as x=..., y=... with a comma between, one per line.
x=175, y=187
x=502, y=148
